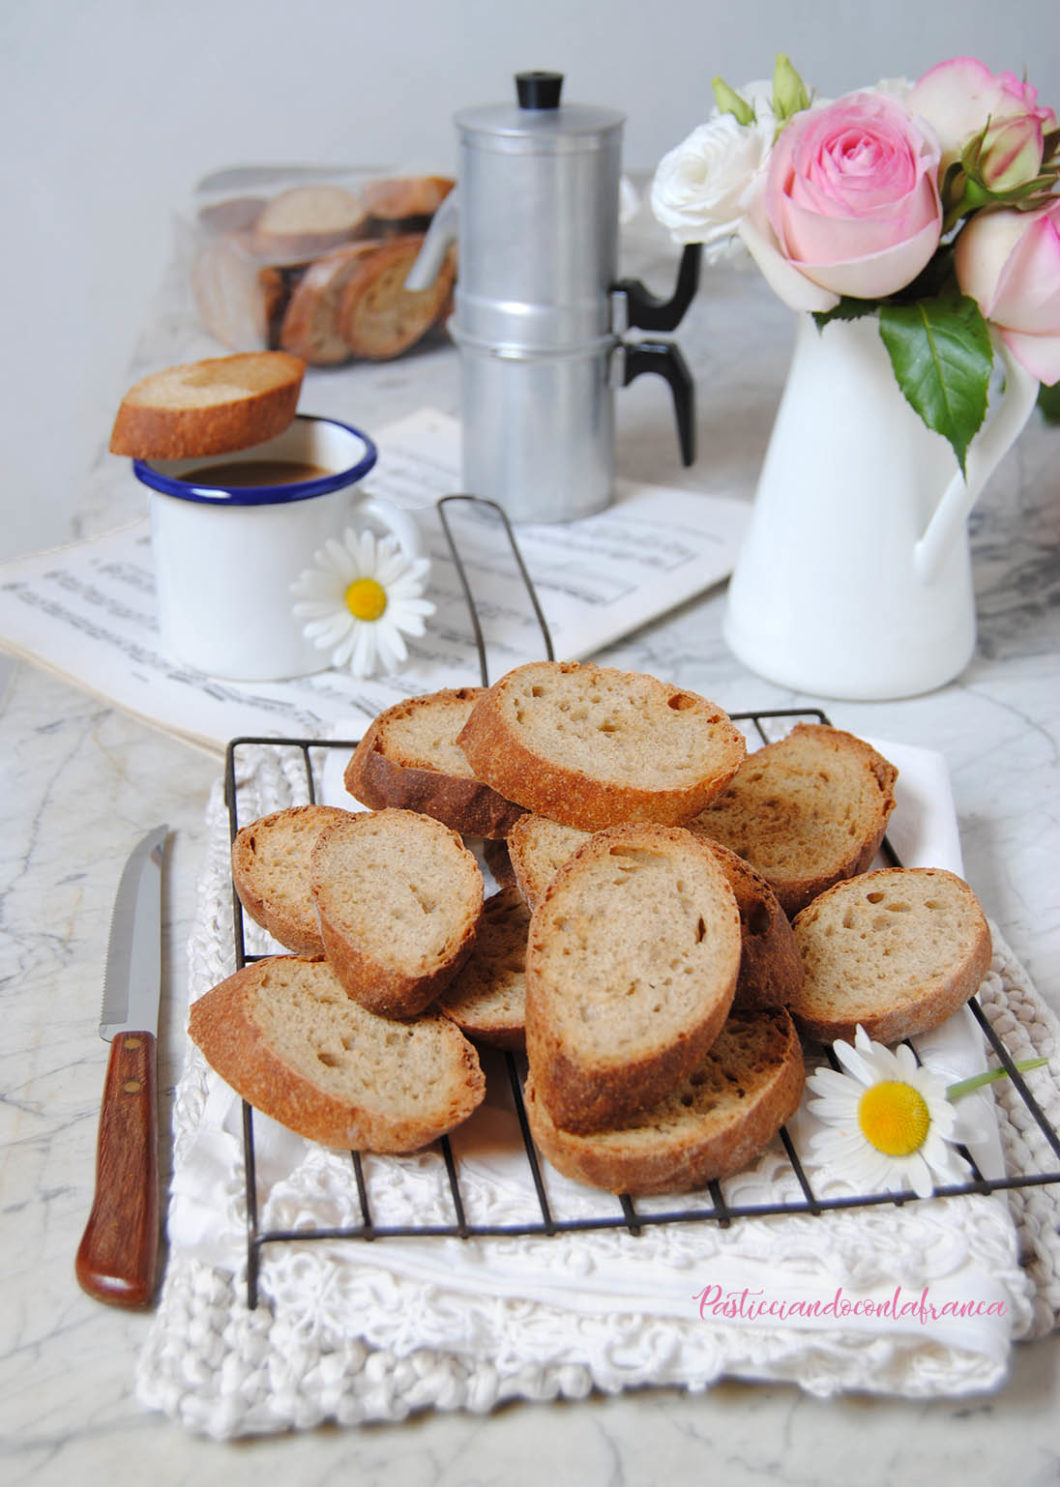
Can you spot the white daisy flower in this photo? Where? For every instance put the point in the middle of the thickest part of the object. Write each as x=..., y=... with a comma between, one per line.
x=360, y=598
x=887, y=1123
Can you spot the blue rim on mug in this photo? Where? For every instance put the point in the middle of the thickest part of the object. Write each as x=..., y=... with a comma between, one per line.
x=262, y=495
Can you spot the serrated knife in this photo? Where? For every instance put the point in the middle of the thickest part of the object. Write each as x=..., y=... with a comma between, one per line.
x=117, y=1260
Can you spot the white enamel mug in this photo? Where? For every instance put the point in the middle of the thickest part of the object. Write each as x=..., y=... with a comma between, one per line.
x=226, y=556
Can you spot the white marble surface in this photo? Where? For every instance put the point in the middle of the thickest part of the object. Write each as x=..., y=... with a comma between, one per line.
x=82, y=783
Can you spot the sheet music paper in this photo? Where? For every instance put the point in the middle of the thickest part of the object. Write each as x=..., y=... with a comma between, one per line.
x=87, y=610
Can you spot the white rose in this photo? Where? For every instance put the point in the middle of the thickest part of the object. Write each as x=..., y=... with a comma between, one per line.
x=898, y=88
x=702, y=187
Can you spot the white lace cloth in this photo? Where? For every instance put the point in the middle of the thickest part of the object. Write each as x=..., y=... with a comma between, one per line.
x=350, y=1332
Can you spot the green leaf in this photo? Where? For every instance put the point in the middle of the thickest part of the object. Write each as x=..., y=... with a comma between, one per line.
x=941, y=354
x=1049, y=402
x=846, y=309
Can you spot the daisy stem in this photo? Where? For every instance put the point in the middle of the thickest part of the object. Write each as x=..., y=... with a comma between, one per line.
x=965, y=1086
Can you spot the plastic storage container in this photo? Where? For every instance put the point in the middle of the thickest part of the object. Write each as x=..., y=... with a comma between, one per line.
x=313, y=261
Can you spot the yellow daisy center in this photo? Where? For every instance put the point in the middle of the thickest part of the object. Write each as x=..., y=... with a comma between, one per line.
x=365, y=599
x=894, y=1118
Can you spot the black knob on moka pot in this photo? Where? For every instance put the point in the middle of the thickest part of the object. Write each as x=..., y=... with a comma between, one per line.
x=538, y=89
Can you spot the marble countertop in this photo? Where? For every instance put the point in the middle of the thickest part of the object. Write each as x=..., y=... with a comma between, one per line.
x=84, y=782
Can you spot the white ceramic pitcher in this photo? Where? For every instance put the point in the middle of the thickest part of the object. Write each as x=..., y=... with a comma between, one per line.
x=854, y=578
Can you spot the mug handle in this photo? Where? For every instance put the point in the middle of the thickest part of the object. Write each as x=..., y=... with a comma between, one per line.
x=985, y=453
x=401, y=524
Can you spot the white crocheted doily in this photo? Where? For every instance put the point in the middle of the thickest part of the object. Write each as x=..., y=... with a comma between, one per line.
x=353, y=1332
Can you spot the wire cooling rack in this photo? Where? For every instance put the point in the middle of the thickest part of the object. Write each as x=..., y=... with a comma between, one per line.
x=707, y=1206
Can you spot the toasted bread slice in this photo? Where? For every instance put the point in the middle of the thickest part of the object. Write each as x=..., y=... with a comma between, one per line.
x=487, y=997
x=225, y=281
x=270, y=871
x=714, y=1122
x=591, y=746
x=630, y=972
x=399, y=898
x=304, y=221
x=234, y=215
x=537, y=849
x=770, y=965
x=396, y=198
x=209, y=407
x=378, y=317
x=310, y=325
x=409, y=758
x=284, y=1034
x=771, y=970
x=805, y=812
x=495, y=856
x=897, y=950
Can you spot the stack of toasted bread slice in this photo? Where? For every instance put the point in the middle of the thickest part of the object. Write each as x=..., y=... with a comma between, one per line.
x=673, y=909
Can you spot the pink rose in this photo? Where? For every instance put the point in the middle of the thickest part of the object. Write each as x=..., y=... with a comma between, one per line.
x=851, y=195
x=1009, y=262
x=959, y=98
x=1011, y=155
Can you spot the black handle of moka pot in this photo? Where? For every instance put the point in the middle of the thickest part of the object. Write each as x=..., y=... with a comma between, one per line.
x=665, y=359
x=647, y=311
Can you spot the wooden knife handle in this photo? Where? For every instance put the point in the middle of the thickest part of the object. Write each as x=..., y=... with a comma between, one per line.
x=117, y=1260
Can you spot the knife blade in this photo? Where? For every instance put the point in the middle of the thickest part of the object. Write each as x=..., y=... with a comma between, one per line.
x=117, y=1260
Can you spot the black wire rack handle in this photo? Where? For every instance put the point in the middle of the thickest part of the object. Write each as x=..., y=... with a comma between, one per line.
x=469, y=598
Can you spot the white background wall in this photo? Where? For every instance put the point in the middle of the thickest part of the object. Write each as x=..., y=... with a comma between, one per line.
x=110, y=110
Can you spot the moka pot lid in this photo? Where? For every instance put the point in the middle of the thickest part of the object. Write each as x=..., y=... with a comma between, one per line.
x=537, y=122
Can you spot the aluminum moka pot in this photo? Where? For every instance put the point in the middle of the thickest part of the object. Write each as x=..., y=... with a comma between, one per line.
x=539, y=312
